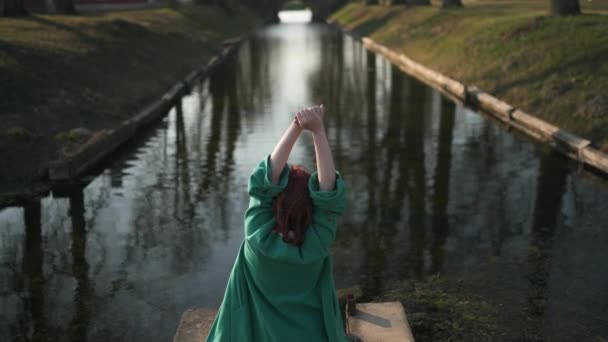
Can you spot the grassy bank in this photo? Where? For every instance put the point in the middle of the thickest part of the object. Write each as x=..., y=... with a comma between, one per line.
x=59, y=73
x=552, y=67
x=490, y=304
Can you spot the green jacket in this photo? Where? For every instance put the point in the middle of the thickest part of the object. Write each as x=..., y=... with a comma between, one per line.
x=278, y=292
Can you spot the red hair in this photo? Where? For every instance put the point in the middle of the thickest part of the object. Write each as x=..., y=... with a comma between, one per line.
x=293, y=207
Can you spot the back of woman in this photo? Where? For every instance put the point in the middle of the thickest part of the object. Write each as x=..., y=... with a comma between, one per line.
x=281, y=287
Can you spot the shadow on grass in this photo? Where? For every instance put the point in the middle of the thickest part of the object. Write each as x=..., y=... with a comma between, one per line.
x=372, y=26
x=590, y=59
x=43, y=21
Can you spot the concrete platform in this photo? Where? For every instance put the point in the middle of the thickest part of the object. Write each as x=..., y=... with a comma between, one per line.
x=373, y=322
x=380, y=322
x=194, y=325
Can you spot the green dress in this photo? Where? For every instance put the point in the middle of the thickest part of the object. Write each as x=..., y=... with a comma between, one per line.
x=278, y=292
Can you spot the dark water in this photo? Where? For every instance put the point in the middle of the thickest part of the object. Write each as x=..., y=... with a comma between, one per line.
x=435, y=189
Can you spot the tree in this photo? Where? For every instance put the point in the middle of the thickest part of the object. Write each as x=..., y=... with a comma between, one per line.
x=371, y=2
x=12, y=8
x=64, y=6
x=412, y=2
x=223, y=4
x=267, y=9
x=418, y=2
x=451, y=3
x=565, y=7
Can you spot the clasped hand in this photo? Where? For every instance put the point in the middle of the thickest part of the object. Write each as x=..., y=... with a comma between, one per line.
x=311, y=118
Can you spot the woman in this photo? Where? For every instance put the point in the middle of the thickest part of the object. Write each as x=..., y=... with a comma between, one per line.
x=281, y=287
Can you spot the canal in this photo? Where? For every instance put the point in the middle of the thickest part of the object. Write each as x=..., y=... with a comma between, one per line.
x=438, y=194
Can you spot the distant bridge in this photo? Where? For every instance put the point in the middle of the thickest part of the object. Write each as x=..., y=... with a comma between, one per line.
x=321, y=9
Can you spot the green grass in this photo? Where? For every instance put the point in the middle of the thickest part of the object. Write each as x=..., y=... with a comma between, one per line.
x=442, y=309
x=62, y=72
x=548, y=66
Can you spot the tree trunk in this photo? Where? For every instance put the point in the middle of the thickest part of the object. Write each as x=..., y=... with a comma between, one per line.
x=271, y=11
x=206, y=2
x=418, y=2
x=64, y=6
x=565, y=7
x=12, y=8
x=451, y=3
x=412, y=2
x=371, y=2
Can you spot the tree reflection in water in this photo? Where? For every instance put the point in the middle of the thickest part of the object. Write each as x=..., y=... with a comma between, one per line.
x=552, y=178
x=440, y=222
x=83, y=293
x=33, y=276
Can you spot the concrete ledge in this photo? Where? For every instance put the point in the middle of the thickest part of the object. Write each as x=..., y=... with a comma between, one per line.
x=151, y=113
x=373, y=322
x=194, y=325
x=596, y=158
x=438, y=80
x=490, y=103
x=569, y=144
x=380, y=322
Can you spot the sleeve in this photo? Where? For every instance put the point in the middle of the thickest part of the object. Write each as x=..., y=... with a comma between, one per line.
x=261, y=186
x=333, y=201
x=262, y=191
x=327, y=207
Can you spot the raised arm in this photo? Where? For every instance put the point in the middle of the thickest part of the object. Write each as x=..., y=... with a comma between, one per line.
x=312, y=119
x=281, y=152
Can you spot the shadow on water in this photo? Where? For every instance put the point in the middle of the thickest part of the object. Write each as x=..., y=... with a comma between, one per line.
x=374, y=247
x=440, y=223
x=218, y=90
x=33, y=281
x=551, y=184
x=83, y=294
x=413, y=165
x=371, y=134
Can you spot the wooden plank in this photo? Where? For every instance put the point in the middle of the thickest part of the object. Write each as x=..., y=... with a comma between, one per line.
x=494, y=105
x=575, y=142
x=194, y=325
x=595, y=158
x=380, y=322
x=535, y=123
x=417, y=70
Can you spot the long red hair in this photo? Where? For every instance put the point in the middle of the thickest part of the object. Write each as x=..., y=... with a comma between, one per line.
x=293, y=207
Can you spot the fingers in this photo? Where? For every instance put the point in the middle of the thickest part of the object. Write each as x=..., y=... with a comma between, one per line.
x=318, y=110
x=310, y=118
x=313, y=111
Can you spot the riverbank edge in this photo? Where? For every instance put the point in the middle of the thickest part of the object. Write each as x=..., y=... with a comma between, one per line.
x=63, y=171
x=574, y=147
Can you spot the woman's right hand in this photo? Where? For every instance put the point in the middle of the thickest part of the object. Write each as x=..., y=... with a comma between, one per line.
x=311, y=119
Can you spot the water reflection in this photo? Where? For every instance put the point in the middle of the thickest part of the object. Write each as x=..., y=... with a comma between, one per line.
x=371, y=151
x=83, y=293
x=435, y=190
x=33, y=282
x=440, y=223
x=552, y=177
